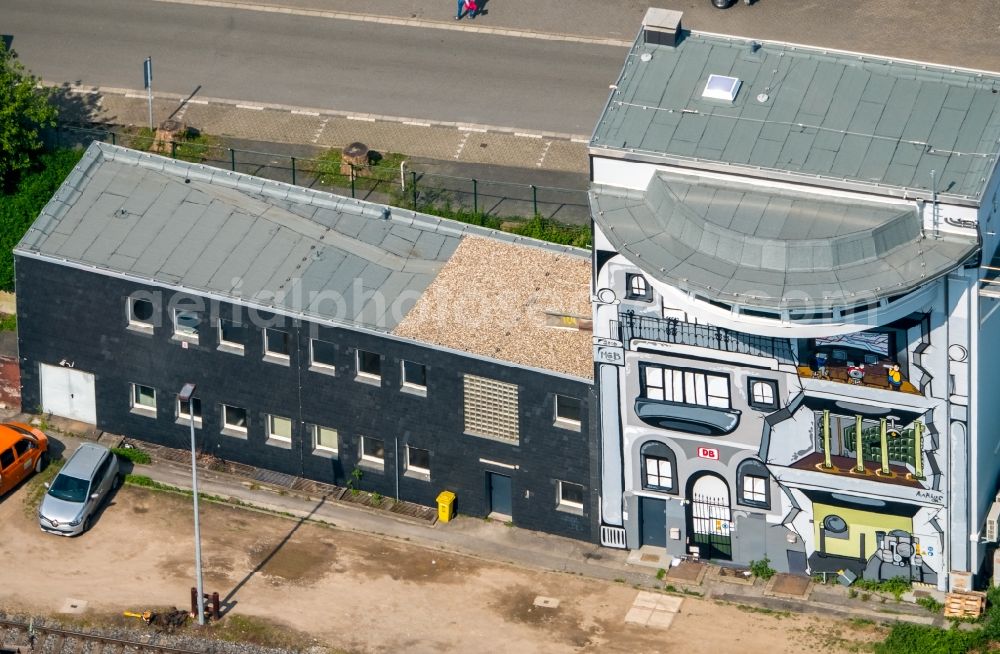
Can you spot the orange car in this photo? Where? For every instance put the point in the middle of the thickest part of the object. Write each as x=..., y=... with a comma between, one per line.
x=23, y=450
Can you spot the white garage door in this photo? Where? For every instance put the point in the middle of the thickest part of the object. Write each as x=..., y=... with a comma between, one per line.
x=68, y=393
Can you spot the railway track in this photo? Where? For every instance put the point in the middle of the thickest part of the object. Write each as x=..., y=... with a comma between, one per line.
x=16, y=635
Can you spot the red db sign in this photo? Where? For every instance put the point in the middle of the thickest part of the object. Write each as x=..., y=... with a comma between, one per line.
x=708, y=453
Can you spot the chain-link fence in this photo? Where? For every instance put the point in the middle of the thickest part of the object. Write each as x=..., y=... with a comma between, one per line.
x=386, y=179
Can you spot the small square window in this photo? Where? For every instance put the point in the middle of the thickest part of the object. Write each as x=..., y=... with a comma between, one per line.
x=755, y=489
x=373, y=450
x=184, y=410
x=325, y=439
x=418, y=460
x=140, y=313
x=567, y=412
x=322, y=354
x=279, y=428
x=186, y=324
x=763, y=393
x=232, y=334
x=637, y=288
x=570, y=495
x=144, y=399
x=414, y=375
x=369, y=364
x=234, y=418
x=276, y=343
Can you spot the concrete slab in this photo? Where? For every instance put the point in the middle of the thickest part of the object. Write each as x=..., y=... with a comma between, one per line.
x=660, y=619
x=791, y=586
x=73, y=606
x=638, y=615
x=546, y=602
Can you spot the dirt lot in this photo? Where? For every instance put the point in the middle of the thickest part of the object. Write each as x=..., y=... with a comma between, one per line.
x=357, y=592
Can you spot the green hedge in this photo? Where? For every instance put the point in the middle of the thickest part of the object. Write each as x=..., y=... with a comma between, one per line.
x=20, y=208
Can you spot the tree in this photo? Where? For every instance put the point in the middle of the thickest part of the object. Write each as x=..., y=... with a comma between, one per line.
x=24, y=111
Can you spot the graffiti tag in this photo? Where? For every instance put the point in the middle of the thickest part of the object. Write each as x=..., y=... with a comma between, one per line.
x=610, y=355
x=931, y=497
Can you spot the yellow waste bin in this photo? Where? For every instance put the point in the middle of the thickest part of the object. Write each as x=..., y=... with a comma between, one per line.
x=446, y=506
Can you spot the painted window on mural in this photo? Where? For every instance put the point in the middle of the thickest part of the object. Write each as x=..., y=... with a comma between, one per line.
x=685, y=386
x=754, y=489
x=637, y=288
x=752, y=484
x=763, y=394
x=658, y=467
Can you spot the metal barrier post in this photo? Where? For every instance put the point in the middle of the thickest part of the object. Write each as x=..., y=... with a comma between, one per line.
x=232, y=159
x=173, y=149
x=113, y=138
x=534, y=198
x=413, y=185
x=293, y=171
x=475, y=196
x=352, y=180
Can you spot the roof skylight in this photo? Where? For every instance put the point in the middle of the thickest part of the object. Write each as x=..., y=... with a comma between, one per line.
x=721, y=87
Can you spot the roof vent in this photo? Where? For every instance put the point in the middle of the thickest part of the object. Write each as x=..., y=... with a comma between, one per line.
x=720, y=87
x=661, y=26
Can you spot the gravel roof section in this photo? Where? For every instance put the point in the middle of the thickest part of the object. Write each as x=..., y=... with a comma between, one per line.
x=521, y=291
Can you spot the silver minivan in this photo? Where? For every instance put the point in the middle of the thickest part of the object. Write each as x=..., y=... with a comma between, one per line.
x=75, y=494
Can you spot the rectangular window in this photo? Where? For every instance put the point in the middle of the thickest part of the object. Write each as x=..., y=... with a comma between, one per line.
x=491, y=408
x=276, y=343
x=570, y=495
x=144, y=399
x=279, y=428
x=755, y=489
x=418, y=460
x=567, y=412
x=372, y=450
x=659, y=473
x=234, y=418
x=369, y=364
x=684, y=386
x=186, y=324
x=140, y=313
x=325, y=439
x=184, y=410
x=414, y=375
x=232, y=334
x=322, y=354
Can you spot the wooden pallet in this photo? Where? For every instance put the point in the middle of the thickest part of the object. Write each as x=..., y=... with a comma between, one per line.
x=964, y=604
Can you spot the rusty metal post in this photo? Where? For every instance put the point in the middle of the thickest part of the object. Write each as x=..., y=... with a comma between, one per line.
x=194, y=601
x=216, y=612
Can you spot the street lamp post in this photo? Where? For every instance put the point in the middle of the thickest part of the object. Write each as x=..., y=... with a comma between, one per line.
x=187, y=395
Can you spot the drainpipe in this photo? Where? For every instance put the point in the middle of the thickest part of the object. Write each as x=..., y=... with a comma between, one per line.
x=884, y=435
x=918, y=454
x=857, y=443
x=827, y=461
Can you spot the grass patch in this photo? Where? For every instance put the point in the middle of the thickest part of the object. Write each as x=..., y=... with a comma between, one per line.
x=930, y=604
x=35, y=487
x=259, y=631
x=762, y=568
x=133, y=454
x=763, y=610
x=383, y=169
x=906, y=638
x=543, y=229
x=8, y=322
x=895, y=587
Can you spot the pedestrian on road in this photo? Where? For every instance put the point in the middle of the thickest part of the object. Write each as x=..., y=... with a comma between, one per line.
x=472, y=8
x=460, y=10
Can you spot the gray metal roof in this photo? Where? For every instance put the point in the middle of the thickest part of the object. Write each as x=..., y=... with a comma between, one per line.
x=259, y=242
x=833, y=116
x=751, y=245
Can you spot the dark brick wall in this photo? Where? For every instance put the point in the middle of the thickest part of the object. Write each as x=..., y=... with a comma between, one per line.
x=66, y=313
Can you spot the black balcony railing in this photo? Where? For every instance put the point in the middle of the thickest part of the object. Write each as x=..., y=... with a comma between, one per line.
x=669, y=330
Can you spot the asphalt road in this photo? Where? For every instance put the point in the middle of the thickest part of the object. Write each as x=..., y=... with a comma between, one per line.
x=315, y=62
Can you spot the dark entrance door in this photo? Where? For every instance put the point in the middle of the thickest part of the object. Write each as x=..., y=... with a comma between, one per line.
x=499, y=490
x=652, y=522
x=710, y=519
